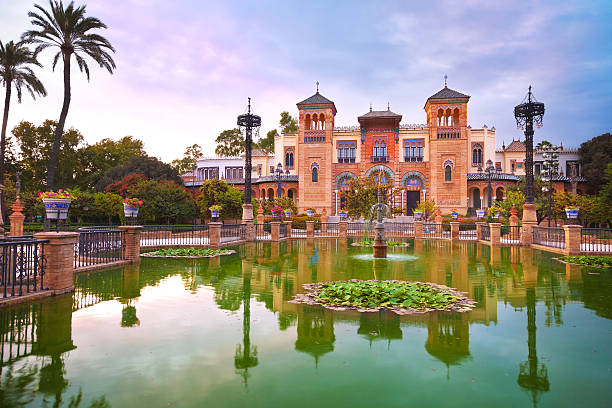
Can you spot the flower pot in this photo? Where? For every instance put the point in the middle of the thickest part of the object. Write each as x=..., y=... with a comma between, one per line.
x=342, y=214
x=288, y=213
x=56, y=208
x=497, y=214
x=418, y=215
x=214, y=214
x=455, y=215
x=309, y=213
x=571, y=213
x=480, y=213
x=274, y=214
x=129, y=211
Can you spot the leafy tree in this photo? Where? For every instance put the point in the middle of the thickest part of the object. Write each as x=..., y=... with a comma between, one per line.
x=163, y=201
x=267, y=143
x=288, y=123
x=69, y=30
x=188, y=162
x=602, y=211
x=123, y=186
x=15, y=70
x=362, y=194
x=110, y=204
x=35, y=147
x=230, y=143
x=218, y=192
x=150, y=167
x=595, y=154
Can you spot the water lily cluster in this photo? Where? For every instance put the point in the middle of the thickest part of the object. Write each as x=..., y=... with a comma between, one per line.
x=133, y=202
x=63, y=194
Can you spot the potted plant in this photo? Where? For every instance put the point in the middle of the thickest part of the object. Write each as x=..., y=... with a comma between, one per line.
x=418, y=215
x=56, y=204
x=276, y=211
x=454, y=214
x=310, y=212
x=571, y=212
x=480, y=213
x=131, y=207
x=288, y=213
x=214, y=212
x=342, y=214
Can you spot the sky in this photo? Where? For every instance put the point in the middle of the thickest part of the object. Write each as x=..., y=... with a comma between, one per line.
x=186, y=67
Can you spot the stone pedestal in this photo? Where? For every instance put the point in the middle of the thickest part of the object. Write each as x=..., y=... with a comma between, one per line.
x=260, y=216
x=247, y=213
x=343, y=229
x=418, y=229
x=59, y=253
x=479, y=230
x=214, y=234
x=16, y=219
x=495, y=229
x=131, y=242
x=572, y=239
x=275, y=230
x=454, y=231
x=309, y=229
x=514, y=220
x=380, y=245
x=250, y=233
x=530, y=219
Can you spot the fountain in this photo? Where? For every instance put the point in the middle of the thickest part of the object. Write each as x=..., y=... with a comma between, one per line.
x=380, y=244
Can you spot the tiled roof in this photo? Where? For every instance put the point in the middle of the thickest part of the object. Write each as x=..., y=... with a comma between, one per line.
x=516, y=146
x=317, y=99
x=380, y=114
x=447, y=93
x=495, y=176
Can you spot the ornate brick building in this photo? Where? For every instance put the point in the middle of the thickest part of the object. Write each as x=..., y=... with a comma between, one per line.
x=430, y=160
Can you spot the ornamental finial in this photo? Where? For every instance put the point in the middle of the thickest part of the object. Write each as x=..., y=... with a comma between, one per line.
x=445, y=78
x=317, y=86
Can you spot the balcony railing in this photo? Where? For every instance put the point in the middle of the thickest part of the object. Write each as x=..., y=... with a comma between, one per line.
x=379, y=159
x=346, y=160
x=413, y=159
x=449, y=133
x=314, y=136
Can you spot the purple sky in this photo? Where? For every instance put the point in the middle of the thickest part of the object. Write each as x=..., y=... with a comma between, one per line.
x=185, y=68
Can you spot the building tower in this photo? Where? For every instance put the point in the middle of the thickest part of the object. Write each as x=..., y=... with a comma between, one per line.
x=316, y=116
x=448, y=148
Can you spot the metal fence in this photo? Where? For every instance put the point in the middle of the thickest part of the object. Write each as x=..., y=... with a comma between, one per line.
x=282, y=230
x=549, y=237
x=22, y=264
x=485, y=233
x=596, y=240
x=467, y=232
x=399, y=229
x=167, y=235
x=436, y=230
x=98, y=247
x=356, y=229
x=326, y=229
x=263, y=231
x=510, y=235
x=298, y=229
x=231, y=233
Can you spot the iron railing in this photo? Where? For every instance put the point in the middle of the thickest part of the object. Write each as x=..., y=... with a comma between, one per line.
x=467, y=232
x=510, y=235
x=231, y=233
x=485, y=233
x=22, y=264
x=596, y=240
x=431, y=230
x=355, y=229
x=19, y=332
x=282, y=230
x=263, y=231
x=549, y=237
x=399, y=229
x=326, y=229
x=298, y=229
x=167, y=235
x=98, y=247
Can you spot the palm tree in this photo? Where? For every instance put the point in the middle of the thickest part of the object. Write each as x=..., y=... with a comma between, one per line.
x=68, y=29
x=15, y=59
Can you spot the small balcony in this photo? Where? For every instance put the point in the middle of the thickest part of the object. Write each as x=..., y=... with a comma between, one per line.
x=413, y=158
x=346, y=160
x=379, y=159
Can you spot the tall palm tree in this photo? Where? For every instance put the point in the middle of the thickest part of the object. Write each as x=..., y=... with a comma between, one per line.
x=68, y=29
x=15, y=59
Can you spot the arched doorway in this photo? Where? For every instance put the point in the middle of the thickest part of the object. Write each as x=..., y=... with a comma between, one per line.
x=270, y=194
x=499, y=194
x=476, y=204
x=414, y=182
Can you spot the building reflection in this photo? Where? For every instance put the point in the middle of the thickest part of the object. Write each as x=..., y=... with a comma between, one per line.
x=315, y=331
x=245, y=356
x=448, y=338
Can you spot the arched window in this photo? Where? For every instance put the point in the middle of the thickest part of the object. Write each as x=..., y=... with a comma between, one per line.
x=383, y=149
x=477, y=154
x=340, y=153
x=456, y=117
x=315, y=174
x=290, y=193
x=346, y=151
x=376, y=149
x=419, y=151
x=447, y=173
x=321, y=121
x=413, y=152
x=308, y=122
x=352, y=152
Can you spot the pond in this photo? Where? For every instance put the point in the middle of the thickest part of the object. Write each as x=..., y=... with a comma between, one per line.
x=221, y=332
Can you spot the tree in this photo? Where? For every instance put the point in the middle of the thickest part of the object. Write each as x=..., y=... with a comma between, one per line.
x=362, y=194
x=595, y=154
x=428, y=207
x=150, y=167
x=15, y=61
x=267, y=143
x=70, y=31
x=164, y=201
x=544, y=144
x=218, y=192
x=230, y=143
x=602, y=211
x=288, y=123
x=188, y=162
x=123, y=186
x=110, y=204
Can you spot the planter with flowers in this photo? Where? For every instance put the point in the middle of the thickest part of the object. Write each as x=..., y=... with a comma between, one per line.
x=131, y=207
x=571, y=212
x=454, y=214
x=310, y=212
x=342, y=214
x=276, y=211
x=287, y=213
x=214, y=212
x=480, y=213
x=418, y=215
x=56, y=204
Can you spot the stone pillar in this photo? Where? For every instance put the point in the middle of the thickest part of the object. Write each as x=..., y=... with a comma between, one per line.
x=572, y=239
x=275, y=230
x=131, y=242
x=309, y=229
x=260, y=216
x=343, y=229
x=59, y=253
x=514, y=220
x=214, y=234
x=495, y=228
x=289, y=228
x=324, y=219
x=454, y=231
x=16, y=219
x=418, y=229
x=438, y=218
x=479, y=230
x=250, y=233
x=247, y=213
x=530, y=220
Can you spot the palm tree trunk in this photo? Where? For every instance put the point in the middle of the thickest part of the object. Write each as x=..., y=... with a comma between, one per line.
x=7, y=102
x=59, y=131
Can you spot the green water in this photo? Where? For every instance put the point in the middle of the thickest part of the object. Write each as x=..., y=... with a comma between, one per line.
x=221, y=333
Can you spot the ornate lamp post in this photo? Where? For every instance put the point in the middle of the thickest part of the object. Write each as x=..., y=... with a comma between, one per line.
x=489, y=170
x=550, y=169
x=526, y=114
x=248, y=122
x=280, y=176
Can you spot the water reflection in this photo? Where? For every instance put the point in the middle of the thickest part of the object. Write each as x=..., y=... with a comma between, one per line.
x=36, y=339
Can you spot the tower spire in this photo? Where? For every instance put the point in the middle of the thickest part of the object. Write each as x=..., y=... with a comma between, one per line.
x=445, y=78
x=388, y=108
x=317, y=86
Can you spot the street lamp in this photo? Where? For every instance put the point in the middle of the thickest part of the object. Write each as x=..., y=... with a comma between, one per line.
x=280, y=176
x=489, y=170
x=550, y=169
x=525, y=114
x=248, y=122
